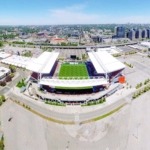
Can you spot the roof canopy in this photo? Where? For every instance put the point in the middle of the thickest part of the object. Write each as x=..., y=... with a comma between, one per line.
x=105, y=62
x=73, y=83
x=16, y=60
x=44, y=63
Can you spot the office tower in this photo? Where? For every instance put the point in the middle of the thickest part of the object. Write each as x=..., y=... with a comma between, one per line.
x=148, y=33
x=120, y=32
x=131, y=34
x=144, y=33
x=138, y=34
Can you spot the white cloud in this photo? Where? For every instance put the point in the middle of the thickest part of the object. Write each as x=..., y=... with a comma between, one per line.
x=7, y=21
x=76, y=7
x=76, y=14
x=134, y=19
x=73, y=15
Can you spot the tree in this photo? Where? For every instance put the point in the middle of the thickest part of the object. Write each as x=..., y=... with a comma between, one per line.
x=63, y=44
x=12, y=68
x=8, y=78
x=12, y=75
x=1, y=44
x=2, y=83
x=69, y=35
x=2, y=98
x=2, y=143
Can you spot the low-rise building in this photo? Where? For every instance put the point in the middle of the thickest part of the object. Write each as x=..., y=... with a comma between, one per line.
x=4, y=72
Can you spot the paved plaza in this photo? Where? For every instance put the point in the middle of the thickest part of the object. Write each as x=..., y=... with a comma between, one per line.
x=127, y=129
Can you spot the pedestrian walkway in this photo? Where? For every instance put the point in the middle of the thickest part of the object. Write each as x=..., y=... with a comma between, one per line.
x=71, y=109
x=77, y=97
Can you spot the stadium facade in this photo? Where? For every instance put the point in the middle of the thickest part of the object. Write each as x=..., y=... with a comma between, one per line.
x=52, y=76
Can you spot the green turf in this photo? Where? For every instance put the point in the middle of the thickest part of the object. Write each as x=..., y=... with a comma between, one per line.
x=73, y=70
x=73, y=88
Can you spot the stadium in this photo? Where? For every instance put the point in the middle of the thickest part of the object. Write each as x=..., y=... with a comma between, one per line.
x=73, y=79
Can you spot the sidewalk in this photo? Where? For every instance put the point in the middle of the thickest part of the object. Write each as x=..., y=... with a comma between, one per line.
x=121, y=94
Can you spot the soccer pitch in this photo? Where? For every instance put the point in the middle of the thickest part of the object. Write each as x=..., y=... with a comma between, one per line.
x=78, y=70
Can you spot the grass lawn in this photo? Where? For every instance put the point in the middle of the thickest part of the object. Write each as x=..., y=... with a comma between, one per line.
x=73, y=88
x=73, y=70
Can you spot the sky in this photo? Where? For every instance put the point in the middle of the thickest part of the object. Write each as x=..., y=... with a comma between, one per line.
x=53, y=12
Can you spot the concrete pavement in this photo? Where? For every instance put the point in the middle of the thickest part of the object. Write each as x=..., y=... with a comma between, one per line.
x=69, y=113
x=127, y=129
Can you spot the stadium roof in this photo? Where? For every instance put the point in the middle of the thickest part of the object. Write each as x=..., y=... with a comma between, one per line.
x=104, y=62
x=44, y=63
x=19, y=61
x=73, y=83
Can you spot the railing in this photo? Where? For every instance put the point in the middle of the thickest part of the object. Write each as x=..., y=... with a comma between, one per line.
x=74, y=78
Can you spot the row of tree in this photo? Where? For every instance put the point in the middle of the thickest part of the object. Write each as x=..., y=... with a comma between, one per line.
x=2, y=99
x=129, y=65
x=95, y=102
x=141, y=84
x=2, y=146
x=141, y=91
x=1, y=43
x=9, y=36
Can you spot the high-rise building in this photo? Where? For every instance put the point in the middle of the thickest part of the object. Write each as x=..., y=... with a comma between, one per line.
x=131, y=34
x=148, y=33
x=138, y=34
x=120, y=32
x=144, y=33
x=96, y=38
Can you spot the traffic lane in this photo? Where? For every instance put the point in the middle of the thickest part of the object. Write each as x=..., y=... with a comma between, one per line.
x=71, y=117
x=48, y=113
x=4, y=90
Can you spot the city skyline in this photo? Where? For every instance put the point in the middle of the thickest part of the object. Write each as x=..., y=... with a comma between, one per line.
x=37, y=12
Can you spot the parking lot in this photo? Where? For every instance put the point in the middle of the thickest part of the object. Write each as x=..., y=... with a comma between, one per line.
x=66, y=53
x=14, y=50
x=124, y=130
x=126, y=49
x=141, y=68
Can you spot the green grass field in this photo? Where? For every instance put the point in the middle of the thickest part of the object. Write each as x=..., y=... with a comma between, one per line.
x=73, y=70
x=73, y=88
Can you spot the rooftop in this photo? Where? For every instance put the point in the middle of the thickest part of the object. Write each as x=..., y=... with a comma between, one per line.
x=73, y=83
x=16, y=60
x=3, y=71
x=104, y=62
x=44, y=63
x=4, y=55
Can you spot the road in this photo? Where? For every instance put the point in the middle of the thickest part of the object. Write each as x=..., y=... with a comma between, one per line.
x=17, y=136
x=4, y=90
x=84, y=46
x=69, y=117
x=124, y=130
